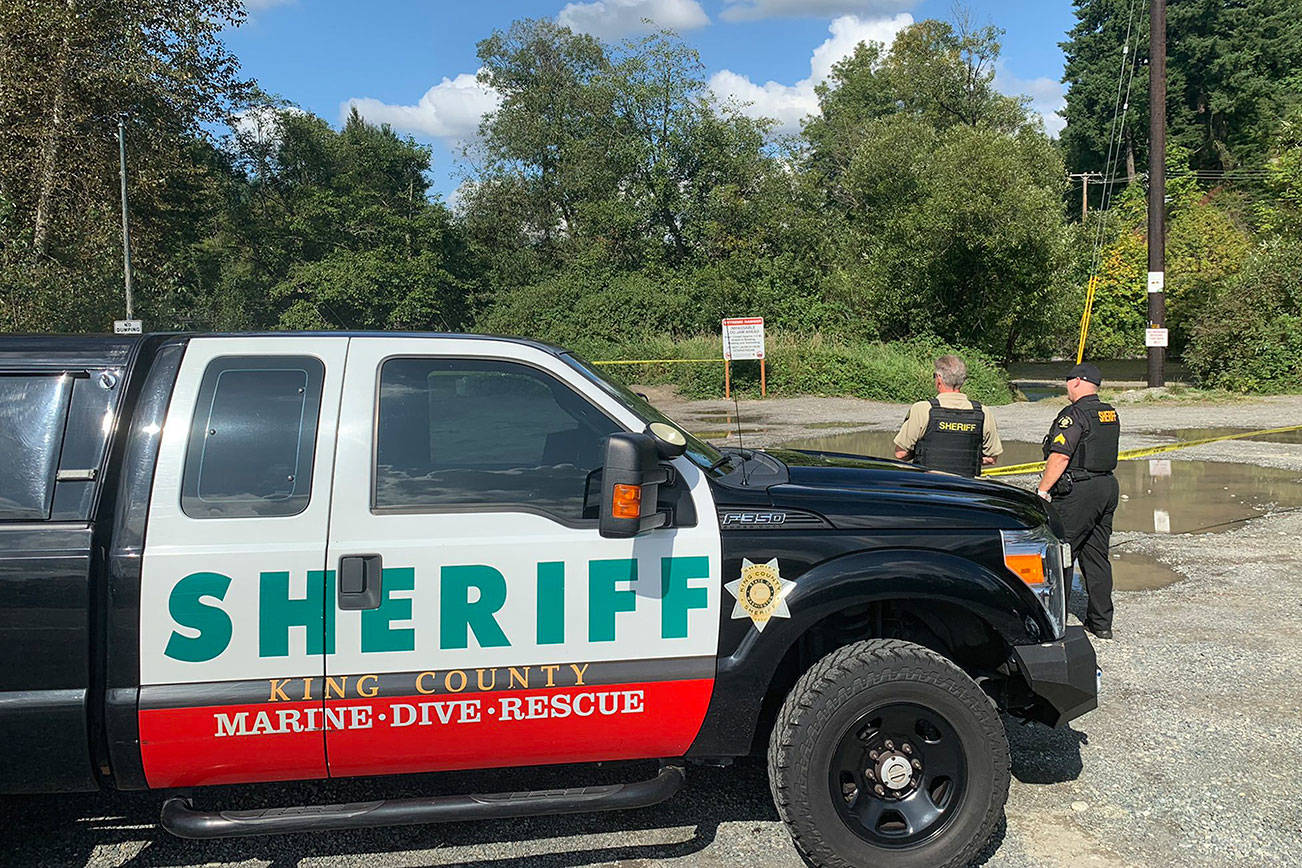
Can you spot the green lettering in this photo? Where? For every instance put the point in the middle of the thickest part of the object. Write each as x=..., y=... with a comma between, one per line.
x=551, y=603
x=675, y=595
x=458, y=615
x=605, y=600
x=187, y=609
x=377, y=634
x=277, y=612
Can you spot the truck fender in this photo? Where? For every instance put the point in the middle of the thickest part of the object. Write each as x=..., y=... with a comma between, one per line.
x=744, y=677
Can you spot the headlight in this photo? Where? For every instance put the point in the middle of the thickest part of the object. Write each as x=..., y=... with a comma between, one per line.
x=1037, y=557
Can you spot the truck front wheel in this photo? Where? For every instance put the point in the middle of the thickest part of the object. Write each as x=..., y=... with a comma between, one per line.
x=887, y=754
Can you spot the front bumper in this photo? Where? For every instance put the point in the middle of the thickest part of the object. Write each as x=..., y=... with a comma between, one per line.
x=1062, y=677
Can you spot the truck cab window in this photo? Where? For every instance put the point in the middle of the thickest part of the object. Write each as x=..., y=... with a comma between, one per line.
x=33, y=410
x=471, y=435
x=253, y=437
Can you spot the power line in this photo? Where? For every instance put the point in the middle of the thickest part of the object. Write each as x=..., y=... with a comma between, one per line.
x=1116, y=134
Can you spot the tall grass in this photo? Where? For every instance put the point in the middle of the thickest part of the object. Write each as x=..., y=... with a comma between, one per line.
x=804, y=365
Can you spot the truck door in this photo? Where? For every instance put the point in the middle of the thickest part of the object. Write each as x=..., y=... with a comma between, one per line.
x=483, y=620
x=235, y=598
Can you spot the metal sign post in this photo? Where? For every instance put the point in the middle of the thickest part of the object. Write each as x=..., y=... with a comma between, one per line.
x=126, y=227
x=743, y=338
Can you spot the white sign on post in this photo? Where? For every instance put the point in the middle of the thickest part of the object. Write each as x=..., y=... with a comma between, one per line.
x=127, y=327
x=1155, y=337
x=743, y=338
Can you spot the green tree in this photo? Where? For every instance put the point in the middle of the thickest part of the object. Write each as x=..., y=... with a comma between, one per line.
x=1232, y=71
x=946, y=194
x=542, y=152
x=621, y=148
x=1251, y=339
x=939, y=72
x=67, y=71
x=1280, y=211
x=1206, y=248
x=326, y=229
x=960, y=231
x=1108, y=43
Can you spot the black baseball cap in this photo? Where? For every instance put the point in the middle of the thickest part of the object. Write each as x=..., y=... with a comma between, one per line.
x=1087, y=372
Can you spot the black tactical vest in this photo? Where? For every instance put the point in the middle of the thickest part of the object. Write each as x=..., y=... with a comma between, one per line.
x=1100, y=435
x=952, y=440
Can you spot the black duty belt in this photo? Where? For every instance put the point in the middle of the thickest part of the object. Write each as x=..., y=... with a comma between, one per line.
x=1082, y=475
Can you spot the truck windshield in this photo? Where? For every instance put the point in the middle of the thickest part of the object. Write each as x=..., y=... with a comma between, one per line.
x=700, y=453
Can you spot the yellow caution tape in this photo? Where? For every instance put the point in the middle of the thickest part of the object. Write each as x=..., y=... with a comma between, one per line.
x=657, y=361
x=1038, y=466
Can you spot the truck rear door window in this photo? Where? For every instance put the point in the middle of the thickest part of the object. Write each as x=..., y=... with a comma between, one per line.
x=479, y=435
x=253, y=437
x=33, y=411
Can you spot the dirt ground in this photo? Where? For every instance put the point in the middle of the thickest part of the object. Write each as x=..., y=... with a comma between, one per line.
x=1193, y=758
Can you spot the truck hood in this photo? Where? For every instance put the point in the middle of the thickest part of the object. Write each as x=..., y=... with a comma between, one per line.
x=855, y=491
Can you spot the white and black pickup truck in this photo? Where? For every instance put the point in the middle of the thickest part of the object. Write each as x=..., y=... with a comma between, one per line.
x=240, y=558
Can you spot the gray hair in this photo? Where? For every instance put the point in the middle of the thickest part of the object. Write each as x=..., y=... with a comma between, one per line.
x=952, y=371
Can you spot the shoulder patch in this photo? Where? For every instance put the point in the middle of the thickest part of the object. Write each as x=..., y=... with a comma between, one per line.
x=1060, y=439
x=1064, y=422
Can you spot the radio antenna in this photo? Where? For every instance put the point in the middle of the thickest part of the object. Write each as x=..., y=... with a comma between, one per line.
x=741, y=447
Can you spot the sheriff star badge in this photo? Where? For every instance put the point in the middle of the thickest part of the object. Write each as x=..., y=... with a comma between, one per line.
x=761, y=593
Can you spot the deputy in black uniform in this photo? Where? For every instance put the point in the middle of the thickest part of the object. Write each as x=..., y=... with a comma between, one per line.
x=1081, y=453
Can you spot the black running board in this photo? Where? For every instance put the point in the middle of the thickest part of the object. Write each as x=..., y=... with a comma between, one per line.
x=181, y=819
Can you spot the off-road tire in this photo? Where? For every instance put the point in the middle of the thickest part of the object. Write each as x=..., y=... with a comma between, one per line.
x=829, y=698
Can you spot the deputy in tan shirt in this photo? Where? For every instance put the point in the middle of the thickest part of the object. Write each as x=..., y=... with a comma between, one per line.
x=949, y=432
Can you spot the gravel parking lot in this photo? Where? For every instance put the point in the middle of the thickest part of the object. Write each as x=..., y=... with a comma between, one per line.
x=1193, y=758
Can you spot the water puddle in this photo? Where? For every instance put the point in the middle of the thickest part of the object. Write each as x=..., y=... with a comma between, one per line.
x=1132, y=571
x=1164, y=496
x=1127, y=370
x=1158, y=495
x=1036, y=391
x=720, y=434
x=881, y=444
x=1185, y=434
x=818, y=425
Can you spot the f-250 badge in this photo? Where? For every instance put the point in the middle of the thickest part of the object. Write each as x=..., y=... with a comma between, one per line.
x=761, y=593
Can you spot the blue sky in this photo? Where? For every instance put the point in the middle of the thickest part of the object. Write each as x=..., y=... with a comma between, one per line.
x=412, y=64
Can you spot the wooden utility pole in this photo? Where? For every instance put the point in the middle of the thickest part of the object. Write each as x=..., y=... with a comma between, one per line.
x=1085, y=178
x=1157, y=189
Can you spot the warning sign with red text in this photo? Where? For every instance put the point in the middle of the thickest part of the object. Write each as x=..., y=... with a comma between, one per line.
x=743, y=338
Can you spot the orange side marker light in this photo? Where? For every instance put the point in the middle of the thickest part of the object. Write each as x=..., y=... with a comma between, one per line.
x=627, y=502
x=1028, y=568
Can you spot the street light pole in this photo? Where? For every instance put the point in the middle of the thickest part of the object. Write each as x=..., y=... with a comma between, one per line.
x=1157, y=187
x=126, y=227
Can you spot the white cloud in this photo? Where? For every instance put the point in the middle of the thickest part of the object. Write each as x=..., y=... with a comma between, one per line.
x=262, y=124
x=449, y=110
x=749, y=10
x=613, y=19
x=259, y=5
x=1047, y=96
x=791, y=103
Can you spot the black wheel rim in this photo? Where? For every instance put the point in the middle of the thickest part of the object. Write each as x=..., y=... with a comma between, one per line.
x=867, y=775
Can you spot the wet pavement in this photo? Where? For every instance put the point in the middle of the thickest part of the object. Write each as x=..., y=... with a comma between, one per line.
x=1161, y=495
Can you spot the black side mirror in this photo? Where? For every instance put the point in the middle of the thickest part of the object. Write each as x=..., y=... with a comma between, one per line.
x=630, y=486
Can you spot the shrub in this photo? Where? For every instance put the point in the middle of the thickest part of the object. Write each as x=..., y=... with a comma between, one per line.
x=808, y=365
x=1251, y=340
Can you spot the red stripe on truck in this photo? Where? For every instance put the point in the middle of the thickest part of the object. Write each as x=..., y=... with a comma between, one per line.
x=396, y=735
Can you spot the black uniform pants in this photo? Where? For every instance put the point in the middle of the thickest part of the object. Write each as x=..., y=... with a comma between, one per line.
x=1086, y=515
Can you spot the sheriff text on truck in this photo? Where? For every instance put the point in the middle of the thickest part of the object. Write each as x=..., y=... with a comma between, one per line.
x=239, y=558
